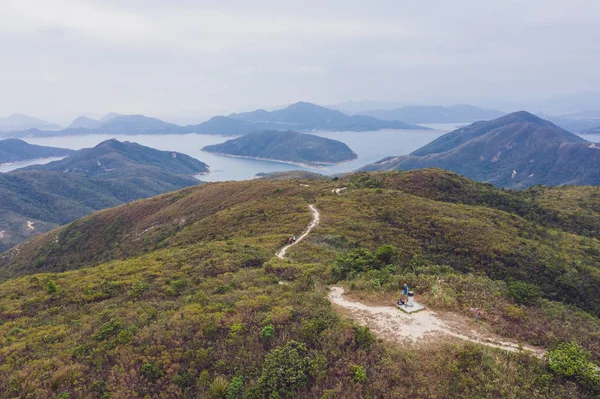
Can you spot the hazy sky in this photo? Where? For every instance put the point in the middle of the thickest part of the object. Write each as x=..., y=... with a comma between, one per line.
x=187, y=58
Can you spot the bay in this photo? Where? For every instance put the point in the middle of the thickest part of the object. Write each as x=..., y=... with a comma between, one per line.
x=371, y=146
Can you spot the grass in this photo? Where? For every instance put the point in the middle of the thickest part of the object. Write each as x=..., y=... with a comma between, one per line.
x=179, y=295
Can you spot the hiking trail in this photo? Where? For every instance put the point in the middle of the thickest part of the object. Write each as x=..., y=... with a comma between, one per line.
x=392, y=324
x=312, y=225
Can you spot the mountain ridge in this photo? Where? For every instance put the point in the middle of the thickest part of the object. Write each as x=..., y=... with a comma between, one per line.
x=15, y=150
x=41, y=197
x=300, y=116
x=518, y=150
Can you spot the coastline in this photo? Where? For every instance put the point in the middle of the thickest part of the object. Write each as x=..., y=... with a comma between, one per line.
x=320, y=165
x=32, y=159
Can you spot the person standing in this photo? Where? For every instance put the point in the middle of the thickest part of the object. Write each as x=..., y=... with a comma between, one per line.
x=405, y=291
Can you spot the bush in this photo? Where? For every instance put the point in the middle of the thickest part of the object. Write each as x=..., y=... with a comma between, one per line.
x=524, y=293
x=285, y=369
x=235, y=390
x=568, y=359
x=267, y=332
x=385, y=255
x=152, y=371
x=51, y=287
x=359, y=374
x=348, y=265
x=363, y=337
x=183, y=379
x=107, y=329
x=138, y=289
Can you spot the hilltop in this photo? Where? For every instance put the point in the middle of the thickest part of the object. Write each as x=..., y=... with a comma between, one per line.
x=435, y=114
x=22, y=122
x=286, y=146
x=174, y=287
x=308, y=116
x=300, y=116
x=15, y=150
x=41, y=197
x=517, y=150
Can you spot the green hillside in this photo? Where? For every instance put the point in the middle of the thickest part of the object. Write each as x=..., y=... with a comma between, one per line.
x=180, y=296
x=287, y=146
x=38, y=198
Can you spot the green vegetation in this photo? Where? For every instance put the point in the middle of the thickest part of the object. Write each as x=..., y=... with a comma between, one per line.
x=286, y=146
x=42, y=197
x=518, y=150
x=180, y=295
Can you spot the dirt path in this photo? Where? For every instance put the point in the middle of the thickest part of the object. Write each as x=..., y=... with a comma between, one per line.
x=312, y=225
x=392, y=324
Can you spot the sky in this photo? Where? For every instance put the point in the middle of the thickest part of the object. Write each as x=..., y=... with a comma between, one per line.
x=184, y=60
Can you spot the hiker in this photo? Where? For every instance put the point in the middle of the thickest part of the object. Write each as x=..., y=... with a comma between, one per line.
x=294, y=238
x=401, y=302
x=405, y=291
x=290, y=241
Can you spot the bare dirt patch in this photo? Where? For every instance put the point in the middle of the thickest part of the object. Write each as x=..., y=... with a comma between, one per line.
x=392, y=324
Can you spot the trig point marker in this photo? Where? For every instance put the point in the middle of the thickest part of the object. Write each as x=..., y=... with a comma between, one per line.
x=411, y=306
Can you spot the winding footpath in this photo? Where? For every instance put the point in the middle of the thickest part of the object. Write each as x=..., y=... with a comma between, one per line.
x=393, y=325
x=312, y=225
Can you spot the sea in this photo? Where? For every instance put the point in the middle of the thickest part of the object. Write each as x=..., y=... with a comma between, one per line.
x=371, y=146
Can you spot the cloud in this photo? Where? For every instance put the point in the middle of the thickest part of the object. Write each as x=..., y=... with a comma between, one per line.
x=152, y=56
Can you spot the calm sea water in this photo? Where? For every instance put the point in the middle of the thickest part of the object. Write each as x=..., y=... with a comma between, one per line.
x=370, y=146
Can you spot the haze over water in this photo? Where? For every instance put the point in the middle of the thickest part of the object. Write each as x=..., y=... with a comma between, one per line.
x=370, y=146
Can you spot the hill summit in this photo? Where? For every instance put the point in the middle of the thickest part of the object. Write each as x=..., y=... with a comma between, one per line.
x=517, y=150
x=288, y=146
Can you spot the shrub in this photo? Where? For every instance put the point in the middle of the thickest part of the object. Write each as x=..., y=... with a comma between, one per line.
x=524, y=293
x=359, y=374
x=385, y=255
x=285, y=369
x=568, y=359
x=180, y=285
x=514, y=313
x=51, y=287
x=107, y=329
x=349, y=264
x=152, y=371
x=363, y=337
x=235, y=390
x=138, y=289
x=64, y=395
x=218, y=388
x=267, y=332
x=183, y=379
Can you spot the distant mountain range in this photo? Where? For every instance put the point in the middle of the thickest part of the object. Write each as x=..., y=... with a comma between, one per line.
x=435, y=114
x=23, y=122
x=286, y=146
x=307, y=116
x=40, y=197
x=15, y=150
x=517, y=150
x=300, y=116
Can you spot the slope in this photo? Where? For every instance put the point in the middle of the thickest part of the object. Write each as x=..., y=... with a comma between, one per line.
x=518, y=150
x=14, y=150
x=179, y=294
x=41, y=197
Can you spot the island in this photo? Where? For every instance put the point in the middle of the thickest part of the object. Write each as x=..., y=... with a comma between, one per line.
x=286, y=146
